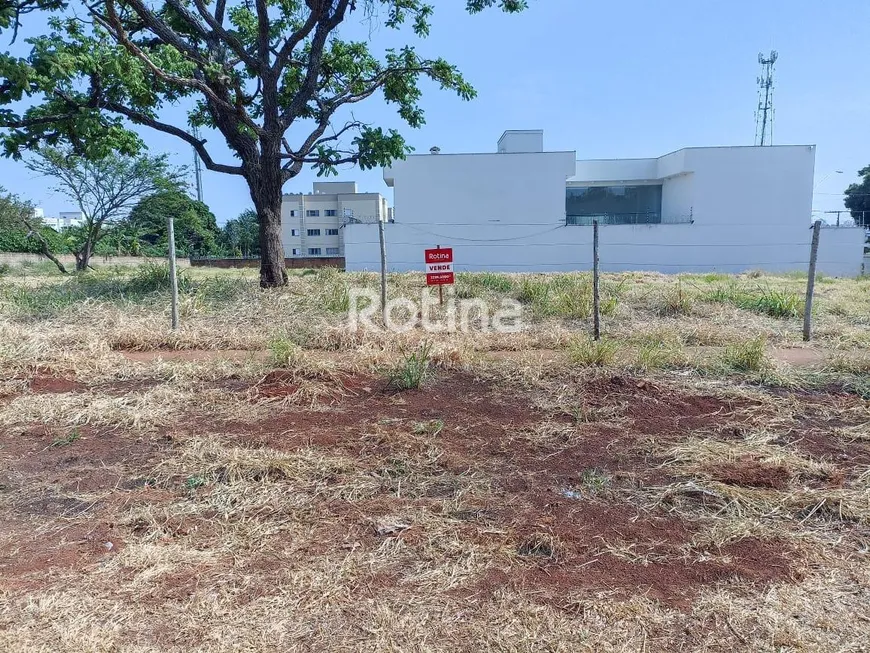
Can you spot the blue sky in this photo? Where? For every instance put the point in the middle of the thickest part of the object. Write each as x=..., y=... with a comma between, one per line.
x=626, y=78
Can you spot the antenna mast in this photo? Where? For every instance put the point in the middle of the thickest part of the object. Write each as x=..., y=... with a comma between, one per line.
x=197, y=167
x=764, y=113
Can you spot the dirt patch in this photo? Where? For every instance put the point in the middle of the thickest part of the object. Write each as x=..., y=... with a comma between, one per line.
x=750, y=473
x=36, y=560
x=800, y=356
x=194, y=355
x=572, y=549
x=84, y=459
x=826, y=446
x=46, y=384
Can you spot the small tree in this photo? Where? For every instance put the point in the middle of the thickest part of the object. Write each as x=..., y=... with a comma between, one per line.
x=275, y=78
x=104, y=190
x=22, y=231
x=858, y=198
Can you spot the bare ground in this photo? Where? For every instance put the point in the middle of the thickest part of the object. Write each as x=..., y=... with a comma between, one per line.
x=361, y=518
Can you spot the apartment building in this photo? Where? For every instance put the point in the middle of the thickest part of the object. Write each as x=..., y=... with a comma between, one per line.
x=313, y=224
x=63, y=220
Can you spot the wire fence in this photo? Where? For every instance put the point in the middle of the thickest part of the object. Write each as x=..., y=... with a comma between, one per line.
x=586, y=256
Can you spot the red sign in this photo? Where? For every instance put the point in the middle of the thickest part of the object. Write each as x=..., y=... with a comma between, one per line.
x=439, y=266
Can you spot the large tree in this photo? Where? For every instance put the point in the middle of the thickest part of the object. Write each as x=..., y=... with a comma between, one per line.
x=241, y=234
x=196, y=230
x=273, y=77
x=858, y=198
x=104, y=190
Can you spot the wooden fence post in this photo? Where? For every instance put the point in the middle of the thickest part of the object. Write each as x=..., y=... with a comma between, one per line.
x=596, y=300
x=811, y=281
x=173, y=272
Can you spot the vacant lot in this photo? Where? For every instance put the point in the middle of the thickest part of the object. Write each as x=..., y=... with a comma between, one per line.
x=266, y=479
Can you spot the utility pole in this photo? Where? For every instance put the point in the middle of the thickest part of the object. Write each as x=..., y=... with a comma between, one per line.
x=764, y=113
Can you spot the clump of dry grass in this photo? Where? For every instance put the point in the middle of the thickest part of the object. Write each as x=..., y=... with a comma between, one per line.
x=586, y=352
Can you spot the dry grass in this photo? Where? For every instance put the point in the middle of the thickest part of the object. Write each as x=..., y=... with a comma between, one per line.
x=264, y=489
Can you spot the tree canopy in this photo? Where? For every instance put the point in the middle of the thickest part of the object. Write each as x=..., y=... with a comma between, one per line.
x=858, y=198
x=274, y=78
x=241, y=234
x=196, y=230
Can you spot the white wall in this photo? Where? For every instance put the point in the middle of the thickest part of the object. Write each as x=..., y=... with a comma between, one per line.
x=751, y=209
x=615, y=171
x=530, y=140
x=494, y=189
x=664, y=248
x=678, y=197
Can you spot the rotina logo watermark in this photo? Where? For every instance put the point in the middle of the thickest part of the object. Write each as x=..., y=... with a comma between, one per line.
x=403, y=314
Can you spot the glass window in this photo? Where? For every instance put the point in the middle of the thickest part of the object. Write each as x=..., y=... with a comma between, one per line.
x=313, y=213
x=313, y=251
x=292, y=213
x=332, y=251
x=314, y=232
x=296, y=251
x=330, y=212
x=294, y=232
x=613, y=204
x=332, y=232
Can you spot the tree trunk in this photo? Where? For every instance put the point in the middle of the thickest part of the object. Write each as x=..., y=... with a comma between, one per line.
x=83, y=256
x=266, y=193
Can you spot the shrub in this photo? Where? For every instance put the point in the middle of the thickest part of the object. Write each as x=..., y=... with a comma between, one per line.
x=676, y=302
x=152, y=277
x=412, y=370
x=766, y=301
x=587, y=352
x=659, y=356
x=747, y=356
x=284, y=351
x=4, y=269
x=776, y=303
x=533, y=291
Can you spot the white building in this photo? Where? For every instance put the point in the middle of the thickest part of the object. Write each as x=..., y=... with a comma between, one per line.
x=313, y=225
x=65, y=219
x=521, y=209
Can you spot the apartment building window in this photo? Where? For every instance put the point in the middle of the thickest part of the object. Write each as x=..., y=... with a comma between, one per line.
x=330, y=213
x=292, y=213
x=332, y=251
x=296, y=251
x=313, y=213
x=294, y=232
x=313, y=251
x=332, y=232
x=314, y=232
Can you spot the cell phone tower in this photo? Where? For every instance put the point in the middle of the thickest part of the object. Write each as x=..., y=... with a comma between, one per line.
x=764, y=114
x=197, y=168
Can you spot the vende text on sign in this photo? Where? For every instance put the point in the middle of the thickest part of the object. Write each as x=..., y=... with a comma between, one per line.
x=439, y=266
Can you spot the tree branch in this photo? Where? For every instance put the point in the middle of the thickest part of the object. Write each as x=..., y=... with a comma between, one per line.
x=216, y=23
x=46, y=248
x=315, y=57
x=199, y=145
x=117, y=30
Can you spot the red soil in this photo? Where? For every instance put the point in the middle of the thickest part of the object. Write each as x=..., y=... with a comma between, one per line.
x=539, y=491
